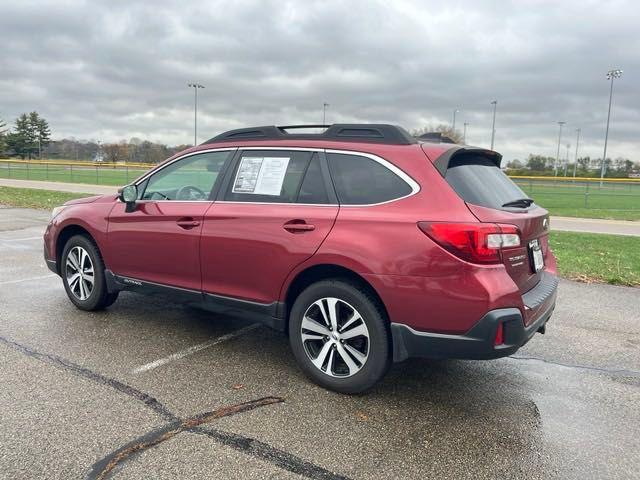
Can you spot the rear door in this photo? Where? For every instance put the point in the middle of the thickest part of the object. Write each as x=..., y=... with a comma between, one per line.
x=493, y=197
x=274, y=211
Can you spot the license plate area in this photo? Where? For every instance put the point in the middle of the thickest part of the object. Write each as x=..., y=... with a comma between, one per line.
x=535, y=254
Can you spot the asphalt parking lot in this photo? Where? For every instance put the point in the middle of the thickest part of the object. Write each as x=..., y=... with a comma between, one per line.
x=152, y=389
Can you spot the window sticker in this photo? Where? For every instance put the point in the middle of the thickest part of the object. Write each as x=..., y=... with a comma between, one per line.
x=261, y=175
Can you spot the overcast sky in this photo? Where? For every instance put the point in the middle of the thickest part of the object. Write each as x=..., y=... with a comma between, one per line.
x=116, y=69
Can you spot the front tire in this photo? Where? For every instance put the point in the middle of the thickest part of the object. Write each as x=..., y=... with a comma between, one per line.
x=82, y=271
x=339, y=335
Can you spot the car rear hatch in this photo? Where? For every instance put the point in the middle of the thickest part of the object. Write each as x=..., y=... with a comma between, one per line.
x=492, y=197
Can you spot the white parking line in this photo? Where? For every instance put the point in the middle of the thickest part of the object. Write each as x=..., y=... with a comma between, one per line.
x=20, y=239
x=28, y=279
x=194, y=349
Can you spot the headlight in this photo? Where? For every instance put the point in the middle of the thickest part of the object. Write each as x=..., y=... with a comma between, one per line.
x=56, y=211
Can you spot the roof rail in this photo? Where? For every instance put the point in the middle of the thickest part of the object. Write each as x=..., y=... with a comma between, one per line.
x=435, y=137
x=339, y=132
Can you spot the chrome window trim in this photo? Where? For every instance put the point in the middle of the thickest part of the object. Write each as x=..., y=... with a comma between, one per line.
x=415, y=187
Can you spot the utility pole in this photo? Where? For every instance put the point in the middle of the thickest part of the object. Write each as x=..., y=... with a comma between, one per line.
x=195, y=87
x=555, y=169
x=575, y=163
x=611, y=75
x=464, y=134
x=453, y=126
x=493, y=126
x=324, y=112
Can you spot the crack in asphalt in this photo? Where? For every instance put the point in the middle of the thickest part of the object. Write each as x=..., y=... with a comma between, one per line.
x=103, y=467
x=81, y=371
x=266, y=452
x=249, y=446
x=613, y=371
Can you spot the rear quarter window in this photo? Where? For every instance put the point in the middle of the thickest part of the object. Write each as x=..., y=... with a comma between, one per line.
x=480, y=181
x=361, y=180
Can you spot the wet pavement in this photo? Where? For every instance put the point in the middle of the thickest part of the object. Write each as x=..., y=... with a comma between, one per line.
x=153, y=389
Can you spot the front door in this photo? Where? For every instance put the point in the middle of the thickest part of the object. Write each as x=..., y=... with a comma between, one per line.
x=160, y=240
x=274, y=213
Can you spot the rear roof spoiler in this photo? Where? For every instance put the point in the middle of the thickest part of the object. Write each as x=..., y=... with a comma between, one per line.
x=442, y=162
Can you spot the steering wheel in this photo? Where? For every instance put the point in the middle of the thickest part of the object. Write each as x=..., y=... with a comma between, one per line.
x=189, y=192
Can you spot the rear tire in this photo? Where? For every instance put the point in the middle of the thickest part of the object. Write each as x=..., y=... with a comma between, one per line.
x=339, y=335
x=82, y=271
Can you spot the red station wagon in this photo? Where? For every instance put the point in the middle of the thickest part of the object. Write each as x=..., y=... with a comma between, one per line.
x=364, y=244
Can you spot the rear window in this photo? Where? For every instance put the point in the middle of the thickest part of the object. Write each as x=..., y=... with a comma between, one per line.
x=479, y=181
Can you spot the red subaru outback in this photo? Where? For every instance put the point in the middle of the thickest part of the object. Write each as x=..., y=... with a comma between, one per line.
x=362, y=243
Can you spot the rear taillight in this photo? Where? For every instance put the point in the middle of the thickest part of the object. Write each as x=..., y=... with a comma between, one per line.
x=473, y=242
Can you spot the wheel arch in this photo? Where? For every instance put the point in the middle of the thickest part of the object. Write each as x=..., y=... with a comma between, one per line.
x=324, y=271
x=63, y=237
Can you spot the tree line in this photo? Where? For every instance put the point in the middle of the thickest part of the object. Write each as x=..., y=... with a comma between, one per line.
x=585, y=166
x=28, y=137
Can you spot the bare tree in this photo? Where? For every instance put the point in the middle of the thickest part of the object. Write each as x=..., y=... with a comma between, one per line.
x=444, y=129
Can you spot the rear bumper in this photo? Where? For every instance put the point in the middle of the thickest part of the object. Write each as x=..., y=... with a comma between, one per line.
x=478, y=342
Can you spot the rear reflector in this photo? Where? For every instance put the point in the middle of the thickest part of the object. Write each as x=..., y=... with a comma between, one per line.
x=473, y=242
x=499, y=335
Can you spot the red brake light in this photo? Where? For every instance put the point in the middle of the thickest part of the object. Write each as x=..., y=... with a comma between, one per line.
x=473, y=242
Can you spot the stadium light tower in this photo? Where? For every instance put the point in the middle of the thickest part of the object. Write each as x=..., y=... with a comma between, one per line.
x=324, y=112
x=575, y=163
x=611, y=76
x=493, y=126
x=464, y=134
x=555, y=169
x=195, y=87
x=453, y=127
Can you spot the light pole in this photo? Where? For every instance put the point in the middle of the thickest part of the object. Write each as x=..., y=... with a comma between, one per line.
x=464, y=134
x=324, y=112
x=566, y=160
x=493, y=126
x=611, y=75
x=555, y=169
x=195, y=87
x=575, y=163
x=453, y=127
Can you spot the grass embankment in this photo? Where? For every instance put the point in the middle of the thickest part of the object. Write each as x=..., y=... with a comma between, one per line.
x=594, y=257
x=32, y=198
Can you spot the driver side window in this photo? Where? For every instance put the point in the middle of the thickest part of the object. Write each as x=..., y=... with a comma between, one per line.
x=189, y=179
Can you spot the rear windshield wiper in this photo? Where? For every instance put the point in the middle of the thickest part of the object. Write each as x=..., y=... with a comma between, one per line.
x=520, y=202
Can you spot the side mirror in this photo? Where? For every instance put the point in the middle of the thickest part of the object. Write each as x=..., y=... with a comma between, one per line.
x=129, y=195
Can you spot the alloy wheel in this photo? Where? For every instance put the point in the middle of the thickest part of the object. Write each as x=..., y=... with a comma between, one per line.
x=79, y=273
x=335, y=337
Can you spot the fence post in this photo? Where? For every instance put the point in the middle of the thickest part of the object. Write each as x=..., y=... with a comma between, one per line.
x=27, y=169
x=9, y=168
x=97, y=178
x=586, y=196
x=46, y=167
x=126, y=173
x=71, y=171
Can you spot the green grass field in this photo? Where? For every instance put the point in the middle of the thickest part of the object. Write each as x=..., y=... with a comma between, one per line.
x=592, y=257
x=32, y=198
x=613, y=201
x=102, y=175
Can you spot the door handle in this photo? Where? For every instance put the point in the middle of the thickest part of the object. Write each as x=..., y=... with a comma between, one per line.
x=187, y=223
x=298, y=226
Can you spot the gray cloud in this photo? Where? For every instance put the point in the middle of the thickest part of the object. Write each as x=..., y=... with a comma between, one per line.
x=113, y=70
